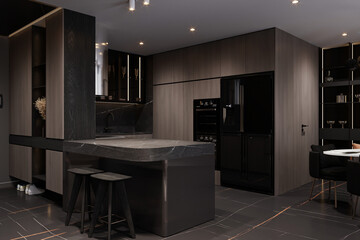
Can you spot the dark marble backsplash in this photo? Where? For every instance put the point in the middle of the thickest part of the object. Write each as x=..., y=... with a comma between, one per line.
x=123, y=118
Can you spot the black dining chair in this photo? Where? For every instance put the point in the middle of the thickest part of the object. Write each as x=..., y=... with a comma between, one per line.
x=326, y=167
x=353, y=182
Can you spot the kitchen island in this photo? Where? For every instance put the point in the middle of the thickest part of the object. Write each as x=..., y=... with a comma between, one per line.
x=172, y=186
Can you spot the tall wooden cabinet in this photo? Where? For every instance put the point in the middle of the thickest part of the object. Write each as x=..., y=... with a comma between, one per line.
x=56, y=62
x=21, y=83
x=295, y=66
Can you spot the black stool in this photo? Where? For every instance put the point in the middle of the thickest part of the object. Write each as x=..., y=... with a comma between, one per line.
x=80, y=175
x=106, y=181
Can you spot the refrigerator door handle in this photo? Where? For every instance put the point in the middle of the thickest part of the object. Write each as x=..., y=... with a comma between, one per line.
x=224, y=115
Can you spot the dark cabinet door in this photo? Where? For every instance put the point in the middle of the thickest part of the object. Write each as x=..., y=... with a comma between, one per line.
x=125, y=77
x=231, y=104
x=231, y=155
x=258, y=161
x=117, y=76
x=247, y=162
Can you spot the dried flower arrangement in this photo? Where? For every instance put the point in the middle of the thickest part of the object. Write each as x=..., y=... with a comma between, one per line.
x=40, y=105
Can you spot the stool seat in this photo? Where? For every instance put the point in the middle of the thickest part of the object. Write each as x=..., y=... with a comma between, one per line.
x=110, y=177
x=84, y=171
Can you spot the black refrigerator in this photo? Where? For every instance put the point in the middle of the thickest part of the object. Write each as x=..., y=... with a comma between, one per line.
x=246, y=129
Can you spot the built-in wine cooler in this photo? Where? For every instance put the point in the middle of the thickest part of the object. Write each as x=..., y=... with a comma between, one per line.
x=206, y=124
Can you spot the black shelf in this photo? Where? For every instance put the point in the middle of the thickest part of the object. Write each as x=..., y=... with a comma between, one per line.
x=337, y=83
x=41, y=177
x=336, y=103
x=335, y=133
x=356, y=82
x=41, y=65
x=37, y=87
x=335, y=68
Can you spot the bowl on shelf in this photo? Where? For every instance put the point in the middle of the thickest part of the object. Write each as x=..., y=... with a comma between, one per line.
x=330, y=122
x=342, y=122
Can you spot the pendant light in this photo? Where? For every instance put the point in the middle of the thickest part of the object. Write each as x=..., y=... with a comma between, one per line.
x=132, y=5
x=146, y=2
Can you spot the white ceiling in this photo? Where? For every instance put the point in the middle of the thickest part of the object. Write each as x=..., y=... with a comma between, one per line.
x=164, y=25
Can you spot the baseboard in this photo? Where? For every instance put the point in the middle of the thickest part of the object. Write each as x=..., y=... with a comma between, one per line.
x=8, y=184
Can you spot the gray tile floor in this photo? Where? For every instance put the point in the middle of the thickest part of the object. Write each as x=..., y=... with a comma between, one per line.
x=239, y=215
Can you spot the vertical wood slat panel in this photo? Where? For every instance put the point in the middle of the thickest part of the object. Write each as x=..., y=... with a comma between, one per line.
x=296, y=97
x=55, y=76
x=79, y=76
x=20, y=165
x=188, y=117
x=54, y=171
x=260, y=51
x=173, y=107
x=285, y=114
x=232, y=56
x=162, y=111
x=20, y=54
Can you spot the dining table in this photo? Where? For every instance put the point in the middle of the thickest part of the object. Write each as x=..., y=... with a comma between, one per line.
x=354, y=153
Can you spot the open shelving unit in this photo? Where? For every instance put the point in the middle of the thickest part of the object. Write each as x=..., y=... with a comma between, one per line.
x=344, y=82
x=38, y=91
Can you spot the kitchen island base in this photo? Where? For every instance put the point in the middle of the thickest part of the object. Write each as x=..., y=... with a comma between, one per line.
x=166, y=197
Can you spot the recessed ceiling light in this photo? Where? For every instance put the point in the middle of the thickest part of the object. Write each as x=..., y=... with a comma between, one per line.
x=141, y=43
x=344, y=34
x=295, y=2
x=192, y=29
x=146, y=2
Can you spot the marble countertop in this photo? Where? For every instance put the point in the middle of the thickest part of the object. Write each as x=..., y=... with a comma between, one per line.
x=141, y=148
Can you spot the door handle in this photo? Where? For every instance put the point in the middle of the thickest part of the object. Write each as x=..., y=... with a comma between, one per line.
x=302, y=129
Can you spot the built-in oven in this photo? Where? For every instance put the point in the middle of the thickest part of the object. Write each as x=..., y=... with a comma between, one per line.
x=207, y=123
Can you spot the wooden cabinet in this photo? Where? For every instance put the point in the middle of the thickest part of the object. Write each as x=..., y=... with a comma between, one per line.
x=20, y=165
x=178, y=66
x=54, y=171
x=232, y=56
x=177, y=112
x=207, y=89
x=173, y=107
x=260, y=51
x=168, y=114
x=188, y=117
x=162, y=111
x=56, y=62
x=20, y=53
x=162, y=64
x=125, y=78
x=207, y=61
x=55, y=76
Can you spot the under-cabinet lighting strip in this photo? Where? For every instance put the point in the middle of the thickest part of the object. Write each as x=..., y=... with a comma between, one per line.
x=352, y=93
x=139, y=78
x=128, y=78
x=36, y=21
x=322, y=93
